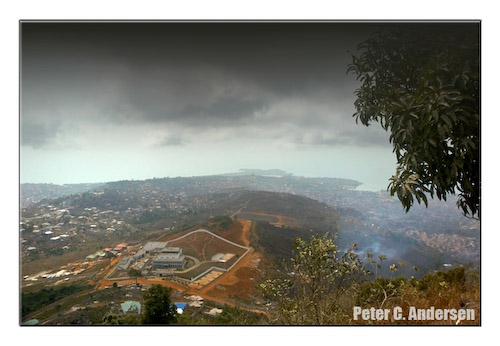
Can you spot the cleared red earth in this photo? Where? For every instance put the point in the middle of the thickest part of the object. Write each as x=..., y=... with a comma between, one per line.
x=240, y=281
x=233, y=233
x=204, y=245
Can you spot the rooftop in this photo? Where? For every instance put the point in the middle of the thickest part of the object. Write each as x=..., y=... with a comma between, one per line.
x=169, y=257
x=131, y=305
x=153, y=245
x=170, y=249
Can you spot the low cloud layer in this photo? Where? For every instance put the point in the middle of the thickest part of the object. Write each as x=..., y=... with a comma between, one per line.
x=274, y=82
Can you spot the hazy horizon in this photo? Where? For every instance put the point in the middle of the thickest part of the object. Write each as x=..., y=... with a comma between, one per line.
x=363, y=186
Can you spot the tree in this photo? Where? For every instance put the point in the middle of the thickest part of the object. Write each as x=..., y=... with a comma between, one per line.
x=121, y=319
x=158, y=309
x=134, y=273
x=421, y=83
x=317, y=286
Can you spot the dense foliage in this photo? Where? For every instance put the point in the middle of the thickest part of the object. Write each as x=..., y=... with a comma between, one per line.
x=158, y=309
x=421, y=83
x=220, y=223
x=134, y=273
x=229, y=316
x=276, y=243
x=121, y=319
x=318, y=285
x=323, y=284
x=34, y=301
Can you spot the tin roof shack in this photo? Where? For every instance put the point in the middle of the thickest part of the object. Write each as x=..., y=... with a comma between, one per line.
x=214, y=312
x=120, y=247
x=131, y=306
x=98, y=255
x=194, y=301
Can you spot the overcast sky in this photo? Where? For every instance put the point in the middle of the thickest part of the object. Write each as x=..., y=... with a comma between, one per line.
x=112, y=101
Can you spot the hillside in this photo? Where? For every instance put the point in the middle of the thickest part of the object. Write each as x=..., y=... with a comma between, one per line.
x=299, y=211
x=34, y=193
x=140, y=203
x=428, y=238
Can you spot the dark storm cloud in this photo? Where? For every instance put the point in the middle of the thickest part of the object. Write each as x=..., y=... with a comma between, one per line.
x=38, y=134
x=225, y=107
x=261, y=76
x=198, y=96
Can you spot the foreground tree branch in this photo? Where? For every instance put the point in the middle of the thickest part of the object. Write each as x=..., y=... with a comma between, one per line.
x=421, y=83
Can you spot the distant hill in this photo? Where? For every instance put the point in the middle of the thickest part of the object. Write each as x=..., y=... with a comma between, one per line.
x=273, y=180
x=34, y=193
x=214, y=183
x=262, y=172
x=163, y=197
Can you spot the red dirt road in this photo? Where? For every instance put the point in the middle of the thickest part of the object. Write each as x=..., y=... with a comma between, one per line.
x=281, y=220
